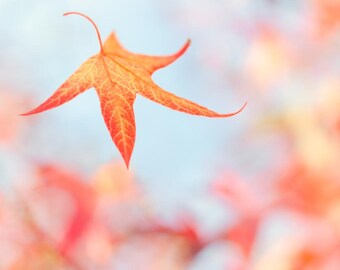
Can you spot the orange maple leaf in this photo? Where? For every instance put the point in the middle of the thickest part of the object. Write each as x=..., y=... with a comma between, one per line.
x=118, y=75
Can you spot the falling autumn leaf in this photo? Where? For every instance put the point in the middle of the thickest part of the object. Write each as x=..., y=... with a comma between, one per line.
x=118, y=75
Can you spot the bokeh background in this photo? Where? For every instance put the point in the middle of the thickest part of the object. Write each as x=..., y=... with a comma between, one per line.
x=260, y=190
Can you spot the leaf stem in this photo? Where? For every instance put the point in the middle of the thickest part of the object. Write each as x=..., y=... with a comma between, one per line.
x=91, y=21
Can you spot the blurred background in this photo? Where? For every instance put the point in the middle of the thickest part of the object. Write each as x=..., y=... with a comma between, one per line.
x=257, y=191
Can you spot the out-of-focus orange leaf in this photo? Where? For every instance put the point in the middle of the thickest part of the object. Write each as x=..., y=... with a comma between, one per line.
x=83, y=198
x=308, y=191
x=316, y=247
x=327, y=13
x=242, y=201
x=186, y=228
x=250, y=210
x=244, y=233
x=118, y=76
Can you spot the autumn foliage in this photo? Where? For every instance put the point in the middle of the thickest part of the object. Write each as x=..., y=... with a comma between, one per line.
x=118, y=75
x=260, y=191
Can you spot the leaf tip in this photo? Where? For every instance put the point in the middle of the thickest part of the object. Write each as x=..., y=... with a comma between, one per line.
x=185, y=47
x=127, y=163
x=26, y=113
x=38, y=109
x=235, y=113
x=242, y=108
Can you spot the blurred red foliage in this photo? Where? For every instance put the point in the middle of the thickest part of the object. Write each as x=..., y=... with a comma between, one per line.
x=327, y=13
